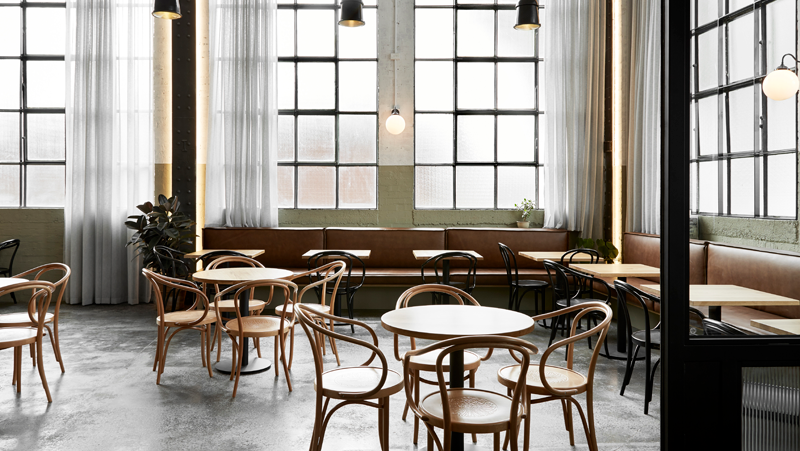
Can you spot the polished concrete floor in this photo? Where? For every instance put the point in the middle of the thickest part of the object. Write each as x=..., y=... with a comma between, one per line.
x=108, y=398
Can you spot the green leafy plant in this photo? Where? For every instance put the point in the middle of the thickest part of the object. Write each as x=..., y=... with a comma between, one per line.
x=160, y=225
x=606, y=248
x=526, y=207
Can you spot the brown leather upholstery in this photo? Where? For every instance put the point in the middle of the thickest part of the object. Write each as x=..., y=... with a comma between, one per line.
x=391, y=247
x=284, y=246
x=646, y=249
x=484, y=241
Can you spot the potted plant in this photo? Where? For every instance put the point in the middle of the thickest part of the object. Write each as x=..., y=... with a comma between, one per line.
x=526, y=207
x=160, y=225
x=606, y=248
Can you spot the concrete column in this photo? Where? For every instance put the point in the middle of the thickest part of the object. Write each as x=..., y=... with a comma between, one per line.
x=202, y=98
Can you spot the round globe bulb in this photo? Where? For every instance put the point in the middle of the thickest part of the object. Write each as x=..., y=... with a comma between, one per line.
x=395, y=124
x=780, y=84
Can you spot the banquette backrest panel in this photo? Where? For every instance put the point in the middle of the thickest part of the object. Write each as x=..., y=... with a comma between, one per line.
x=284, y=246
x=645, y=249
x=390, y=247
x=484, y=241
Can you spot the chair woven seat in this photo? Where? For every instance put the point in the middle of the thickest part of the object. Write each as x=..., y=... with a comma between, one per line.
x=359, y=379
x=471, y=410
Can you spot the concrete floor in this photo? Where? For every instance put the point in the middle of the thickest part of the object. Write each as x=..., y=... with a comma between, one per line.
x=108, y=398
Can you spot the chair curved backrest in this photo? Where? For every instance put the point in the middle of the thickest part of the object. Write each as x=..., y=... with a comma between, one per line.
x=39, y=301
x=60, y=285
x=472, y=266
x=510, y=262
x=626, y=290
x=288, y=288
x=314, y=262
x=518, y=399
x=572, y=253
x=8, y=247
x=696, y=318
x=719, y=328
x=170, y=262
x=161, y=284
x=209, y=257
x=239, y=260
x=562, y=289
x=330, y=273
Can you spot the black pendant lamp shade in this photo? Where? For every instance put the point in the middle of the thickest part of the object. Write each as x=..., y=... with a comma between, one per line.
x=527, y=15
x=167, y=9
x=352, y=13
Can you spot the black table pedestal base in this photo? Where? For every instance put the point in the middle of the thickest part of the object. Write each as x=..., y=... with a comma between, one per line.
x=255, y=365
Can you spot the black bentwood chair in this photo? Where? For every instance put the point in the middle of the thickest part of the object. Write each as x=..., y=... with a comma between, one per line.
x=348, y=289
x=207, y=258
x=437, y=261
x=719, y=328
x=8, y=250
x=517, y=289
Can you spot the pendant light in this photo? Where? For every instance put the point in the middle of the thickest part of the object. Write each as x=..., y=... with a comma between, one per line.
x=527, y=15
x=781, y=83
x=352, y=13
x=167, y=9
x=395, y=124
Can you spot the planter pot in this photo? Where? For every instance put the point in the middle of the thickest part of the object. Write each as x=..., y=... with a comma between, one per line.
x=523, y=224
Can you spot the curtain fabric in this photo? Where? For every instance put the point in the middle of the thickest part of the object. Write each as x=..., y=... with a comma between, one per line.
x=242, y=169
x=574, y=48
x=644, y=120
x=109, y=146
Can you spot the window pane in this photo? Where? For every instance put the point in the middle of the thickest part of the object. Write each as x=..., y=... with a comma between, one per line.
x=741, y=48
x=45, y=186
x=10, y=84
x=434, y=2
x=285, y=138
x=474, y=187
x=735, y=5
x=285, y=32
x=433, y=29
x=357, y=86
x=707, y=54
x=357, y=140
x=782, y=185
x=510, y=41
x=708, y=125
x=475, y=138
x=316, y=187
x=46, y=84
x=516, y=136
x=475, y=85
x=46, y=137
x=357, y=187
x=742, y=186
x=9, y=186
x=433, y=187
x=516, y=85
x=475, y=33
x=10, y=21
x=693, y=186
x=44, y=30
x=285, y=186
x=781, y=124
x=9, y=136
x=315, y=86
x=742, y=111
x=360, y=42
x=434, y=138
x=433, y=86
x=707, y=11
x=781, y=23
x=286, y=86
x=315, y=32
x=316, y=138
x=709, y=177
x=515, y=183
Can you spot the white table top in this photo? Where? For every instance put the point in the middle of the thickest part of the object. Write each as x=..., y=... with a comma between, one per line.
x=440, y=322
x=555, y=256
x=617, y=270
x=363, y=254
x=252, y=253
x=424, y=255
x=778, y=326
x=727, y=295
x=230, y=276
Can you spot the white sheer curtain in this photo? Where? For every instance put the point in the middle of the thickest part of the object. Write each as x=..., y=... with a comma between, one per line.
x=574, y=48
x=109, y=145
x=644, y=120
x=242, y=169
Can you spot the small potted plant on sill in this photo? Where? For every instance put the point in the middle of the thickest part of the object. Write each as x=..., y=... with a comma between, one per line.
x=606, y=248
x=526, y=207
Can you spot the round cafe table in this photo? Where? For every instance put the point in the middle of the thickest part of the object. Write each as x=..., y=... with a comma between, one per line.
x=441, y=322
x=232, y=276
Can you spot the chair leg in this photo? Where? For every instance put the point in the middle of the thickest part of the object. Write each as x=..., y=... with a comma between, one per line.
x=209, y=340
x=16, y=365
x=291, y=346
x=14, y=297
x=275, y=358
x=350, y=310
x=511, y=290
x=472, y=385
x=56, y=344
x=496, y=441
x=554, y=328
x=285, y=364
x=416, y=401
x=629, y=370
x=258, y=346
x=18, y=369
x=383, y=423
x=333, y=347
x=39, y=357
x=238, y=366
x=33, y=355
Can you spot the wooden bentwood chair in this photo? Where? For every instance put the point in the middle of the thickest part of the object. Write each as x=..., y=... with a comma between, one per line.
x=8, y=250
x=350, y=385
x=562, y=384
x=197, y=317
x=427, y=362
x=17, y=337
x=460, y=409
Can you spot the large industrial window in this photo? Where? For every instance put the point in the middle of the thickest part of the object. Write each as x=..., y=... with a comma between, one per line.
x=327, y=101
x=477, y=107
x=32, y=83
x=744, y=145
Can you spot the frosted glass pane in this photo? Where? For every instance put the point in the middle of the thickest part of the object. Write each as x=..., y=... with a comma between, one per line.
x=358, y=187
x=433, y=29
x=357, y=141
x=316, y=187
x=693, y=187
x=709, y=122
x=474, y=187
x=693, y=127
x=475, y=33
x=45, y=186
x=741, y=48
x=9, y=186
x=510, y=41
x=46, y=84
x=286, y=86
x=707, y=54
x=9, y=136
x=10, y=84
x=45, y=28
x=315, y=86
x=515, y=183
x=516, y=85
x=742, y=186
x=475, y=85
x=516, y=138
x=360, y=42
x=781, y=124
x=781, y=23
x=285, y=138
x=285, y=32
x=46, y=137
x=433, y=187
x=311, y=2
x=316, y=138
x=433, y=2
x=433, y=87
x=735, y=5
x=286, y=186
x=741, y=107
x=434, y=138
x=10, y=21
x=707, y=11
x=358, y=85
x=315, y=32
x=709, y=189
x=782, y=185
x=475, y=139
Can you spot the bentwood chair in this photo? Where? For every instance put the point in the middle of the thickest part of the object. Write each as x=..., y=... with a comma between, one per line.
x=170, y=263
x=197, y=317
x=259, y=326
x=365, y=384
x=210, y=257
x=351, y=283
x=427, y=362
x=554, y=383
x=58, y=271
x=468, y=280
x=584, y=284
x=454, y=409
x=719, y=328
x=8, y=250
x=517, y=289
x=17, y=337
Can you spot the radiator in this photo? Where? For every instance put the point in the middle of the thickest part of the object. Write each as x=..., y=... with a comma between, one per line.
x=771, y=409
